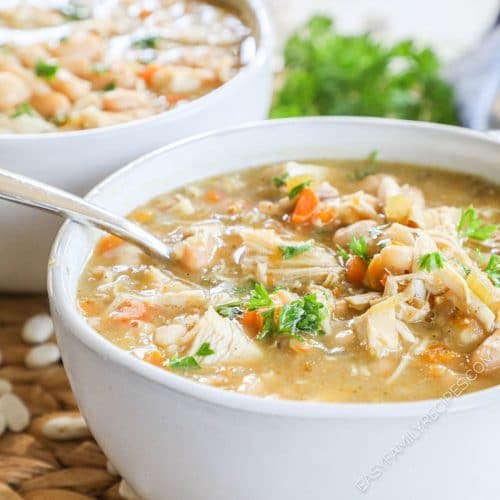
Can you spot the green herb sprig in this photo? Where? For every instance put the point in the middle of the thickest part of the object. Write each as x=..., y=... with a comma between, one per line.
x=431, y=262
x=293, y=250
x=471, y=226
x=493, y=269
x=359, y=247
x=46, y=69
x=296, y=190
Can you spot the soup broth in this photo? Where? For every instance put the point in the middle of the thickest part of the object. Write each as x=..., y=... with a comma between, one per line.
x=338, y=281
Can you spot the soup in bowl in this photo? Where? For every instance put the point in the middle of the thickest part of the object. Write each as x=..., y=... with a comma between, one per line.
x=325, y=296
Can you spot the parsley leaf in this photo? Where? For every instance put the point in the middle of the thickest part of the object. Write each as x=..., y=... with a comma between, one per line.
x=357, y=175
x=471, y=226
x=328, y=73
x=259, y=298
x=280, y=180
x=148, y=42
x=293, y=250
x=110, y=86
x=230, y=310
x=431, y=262
x=23, y=109
x=269, y=324
x=302, y=315
x=359, y=247
x=184, y=363
x=205, y=350
x=295, y=191
x=493, y=269
x=342, y=252
x=46, y=69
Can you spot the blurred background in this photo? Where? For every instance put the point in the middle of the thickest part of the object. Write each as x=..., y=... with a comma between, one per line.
x=460, y=33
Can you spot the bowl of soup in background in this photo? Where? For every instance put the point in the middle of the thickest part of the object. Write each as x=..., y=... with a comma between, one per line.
x=193, y=441
x=77, y=160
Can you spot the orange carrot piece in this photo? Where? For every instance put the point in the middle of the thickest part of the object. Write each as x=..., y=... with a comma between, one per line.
x=441, y=354
x=326, y=214
x=306, y=206
x=89, y=307
x=148, y=72
x=355, y=270
x=253, y=320
x=144, y=14
x=212, y=196
x=175, y=98
x=376, y=274
x=108, y=243
x=154, y=357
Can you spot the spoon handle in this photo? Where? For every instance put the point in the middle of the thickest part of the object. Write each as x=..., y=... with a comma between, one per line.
x=26, y=191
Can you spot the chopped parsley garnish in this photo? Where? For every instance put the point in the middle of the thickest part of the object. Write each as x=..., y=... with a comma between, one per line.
x=329, y=73
x=373, y=157
x=293, y=250
x=109, y=86
x=230, y=310
x=205, y=350
x=75, y=12
x=357, y=175
x=471, y=226
x=23, y=109
x=431, y=262
x=280, y=180
x=269, y=323
x=493, y=269
x=259, y=298
x=359, y=247
x=297, y=317
x=184, y=363
x=344, y=254
x=148, y=42
x=295, y=191
x=46, y=69
x=302, y=315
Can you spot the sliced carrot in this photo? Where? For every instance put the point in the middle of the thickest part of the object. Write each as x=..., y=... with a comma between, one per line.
x=131, y=311
x=143, y=216
x=355, y=270
x=326, y=214
x=376, y=274
x=148, y=72
x=441, y=354
x=253, y=320
x=175, y=98
x=108, y=243
x=154, y=357
x=89, y=307
x=305, y=208
x=212, y=196
x=144, y=14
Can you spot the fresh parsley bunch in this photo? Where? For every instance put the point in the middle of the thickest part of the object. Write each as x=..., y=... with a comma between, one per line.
x=332, y=74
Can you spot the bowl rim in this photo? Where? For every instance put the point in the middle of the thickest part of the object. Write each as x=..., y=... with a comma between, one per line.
x=263, y=54
x=64, y=309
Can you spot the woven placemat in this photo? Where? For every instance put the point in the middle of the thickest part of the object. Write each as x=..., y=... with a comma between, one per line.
x=33, y=467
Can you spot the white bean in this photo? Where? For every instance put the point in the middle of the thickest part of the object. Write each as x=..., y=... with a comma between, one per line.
x=111, y=469
x=3, y=424
x=15, y=412
x=42, y=356
x=65, y=427
x=5, y=386
x=38, y=329
x=126, y=491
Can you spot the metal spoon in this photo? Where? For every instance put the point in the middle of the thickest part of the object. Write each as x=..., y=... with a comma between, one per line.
x=26, y=191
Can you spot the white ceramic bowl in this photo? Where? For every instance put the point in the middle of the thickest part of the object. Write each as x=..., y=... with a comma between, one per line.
x=173, y=438
x=76, y=161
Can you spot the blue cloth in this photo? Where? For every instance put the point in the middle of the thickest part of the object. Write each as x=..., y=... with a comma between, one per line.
x=476, y=79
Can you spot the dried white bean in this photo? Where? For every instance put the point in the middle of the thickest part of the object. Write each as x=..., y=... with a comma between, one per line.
x=65, y=427
x=38, y=329
x=15, y=412
x=3, y=424
x=42, y=356
x=111, y=469
x=5, y=386
x=126, y=491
